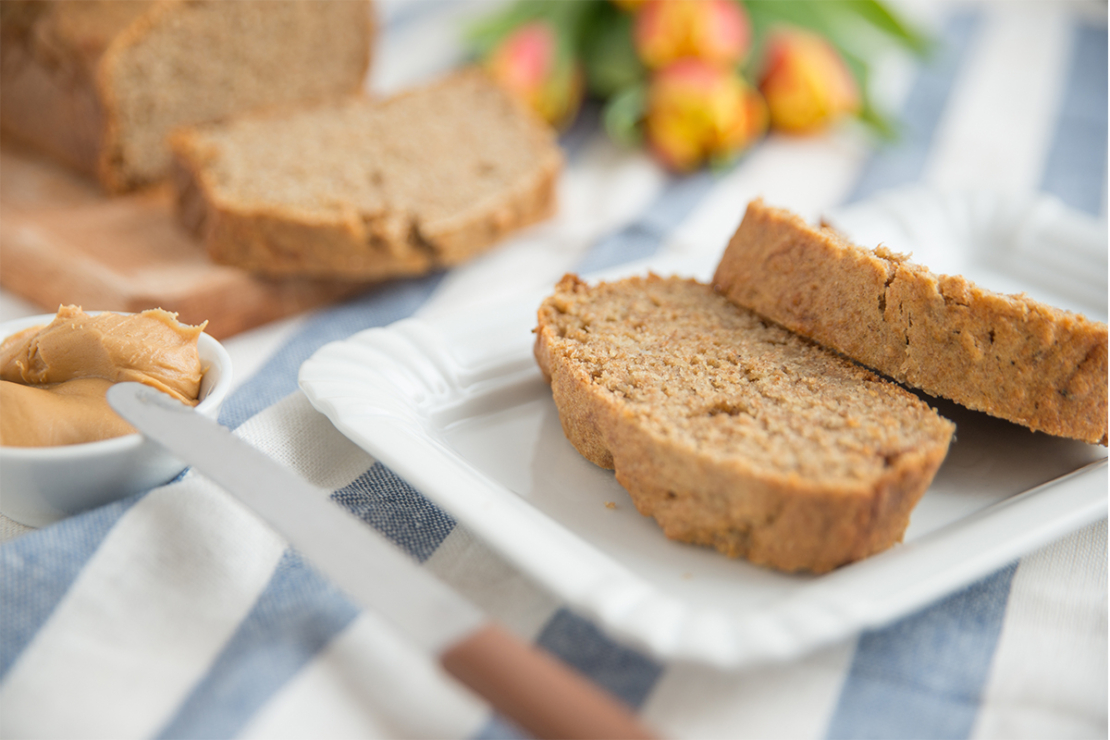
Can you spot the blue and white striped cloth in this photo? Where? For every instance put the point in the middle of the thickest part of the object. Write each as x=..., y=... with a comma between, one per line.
x=176, y=614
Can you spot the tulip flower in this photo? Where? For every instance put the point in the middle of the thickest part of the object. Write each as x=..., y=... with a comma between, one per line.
x=530, y=65
x=698, y=112
x=713, y=30
x=806, y=83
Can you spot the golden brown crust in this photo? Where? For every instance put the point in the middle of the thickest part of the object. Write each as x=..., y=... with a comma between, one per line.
x=812, y=464
x=1008, y=356
x=532, y=202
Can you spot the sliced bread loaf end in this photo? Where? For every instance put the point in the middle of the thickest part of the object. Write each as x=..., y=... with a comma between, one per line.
x=1007, y=355
x=731, y=431
x=187, y=63
x=99, y=85
x=357, y=189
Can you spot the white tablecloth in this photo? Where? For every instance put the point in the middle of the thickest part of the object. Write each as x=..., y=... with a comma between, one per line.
x=176, y=614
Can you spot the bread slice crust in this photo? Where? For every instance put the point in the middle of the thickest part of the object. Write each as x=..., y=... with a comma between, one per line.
x=730, y=431
x=356, y=208
x=1006, y=355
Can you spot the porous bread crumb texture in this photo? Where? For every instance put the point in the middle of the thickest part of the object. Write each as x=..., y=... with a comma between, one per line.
x=1006, y=355
x=731, y=431
x=359, y=189
x=101, y=84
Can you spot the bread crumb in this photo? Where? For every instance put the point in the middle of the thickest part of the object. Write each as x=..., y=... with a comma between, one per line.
x=610, y=505
x=886, y=253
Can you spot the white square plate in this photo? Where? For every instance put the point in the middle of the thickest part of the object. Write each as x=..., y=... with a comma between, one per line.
x=457, y=407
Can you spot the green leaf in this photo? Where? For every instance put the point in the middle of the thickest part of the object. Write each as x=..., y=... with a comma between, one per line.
x=720, y=164
x=609, y=55
x=623, y=115
x=486, y=33
x=883, y=19
x=837, y=21
x=768, y=13
x=879, y=124
x=565, y=17
x=870, y=116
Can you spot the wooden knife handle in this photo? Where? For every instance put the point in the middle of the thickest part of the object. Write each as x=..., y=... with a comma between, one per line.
x=540, y=694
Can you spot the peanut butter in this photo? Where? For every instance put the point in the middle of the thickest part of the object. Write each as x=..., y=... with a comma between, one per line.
x=53, y=378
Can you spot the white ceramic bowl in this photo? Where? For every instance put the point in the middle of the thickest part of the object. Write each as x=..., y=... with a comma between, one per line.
x=40, y=485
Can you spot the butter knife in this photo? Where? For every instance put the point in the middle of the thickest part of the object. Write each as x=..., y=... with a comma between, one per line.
x=528, y=686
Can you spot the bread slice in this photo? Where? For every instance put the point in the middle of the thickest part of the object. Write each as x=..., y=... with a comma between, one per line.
x=99, y=84
x=365, y=190
x=1006, y=355
x=731, y=431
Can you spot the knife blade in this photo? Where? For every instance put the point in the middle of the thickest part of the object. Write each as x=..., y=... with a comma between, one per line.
x=525, y=684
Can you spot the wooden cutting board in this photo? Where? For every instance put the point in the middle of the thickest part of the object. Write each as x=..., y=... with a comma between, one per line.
x=62, y=241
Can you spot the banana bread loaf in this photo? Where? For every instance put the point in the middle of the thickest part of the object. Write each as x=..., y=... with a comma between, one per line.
x=99, y=84
x=1007, y=355
x=731, y=431
x=365, y=190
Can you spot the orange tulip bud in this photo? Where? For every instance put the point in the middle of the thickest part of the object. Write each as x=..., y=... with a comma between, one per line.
x=529, y=65
x=699, y=112
x=714, y=30
x=806, y=83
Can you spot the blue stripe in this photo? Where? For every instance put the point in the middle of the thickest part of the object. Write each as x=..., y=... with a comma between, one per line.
x=643, y=237
x=37, y=569
x=299, y=612
x=904, y=162
x=499, y=728
x=586, y=125
x=622, y=671
x=1076, y=168
x=295, y=617
x=923, y=677
x=386, y=502
x=277, y=378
